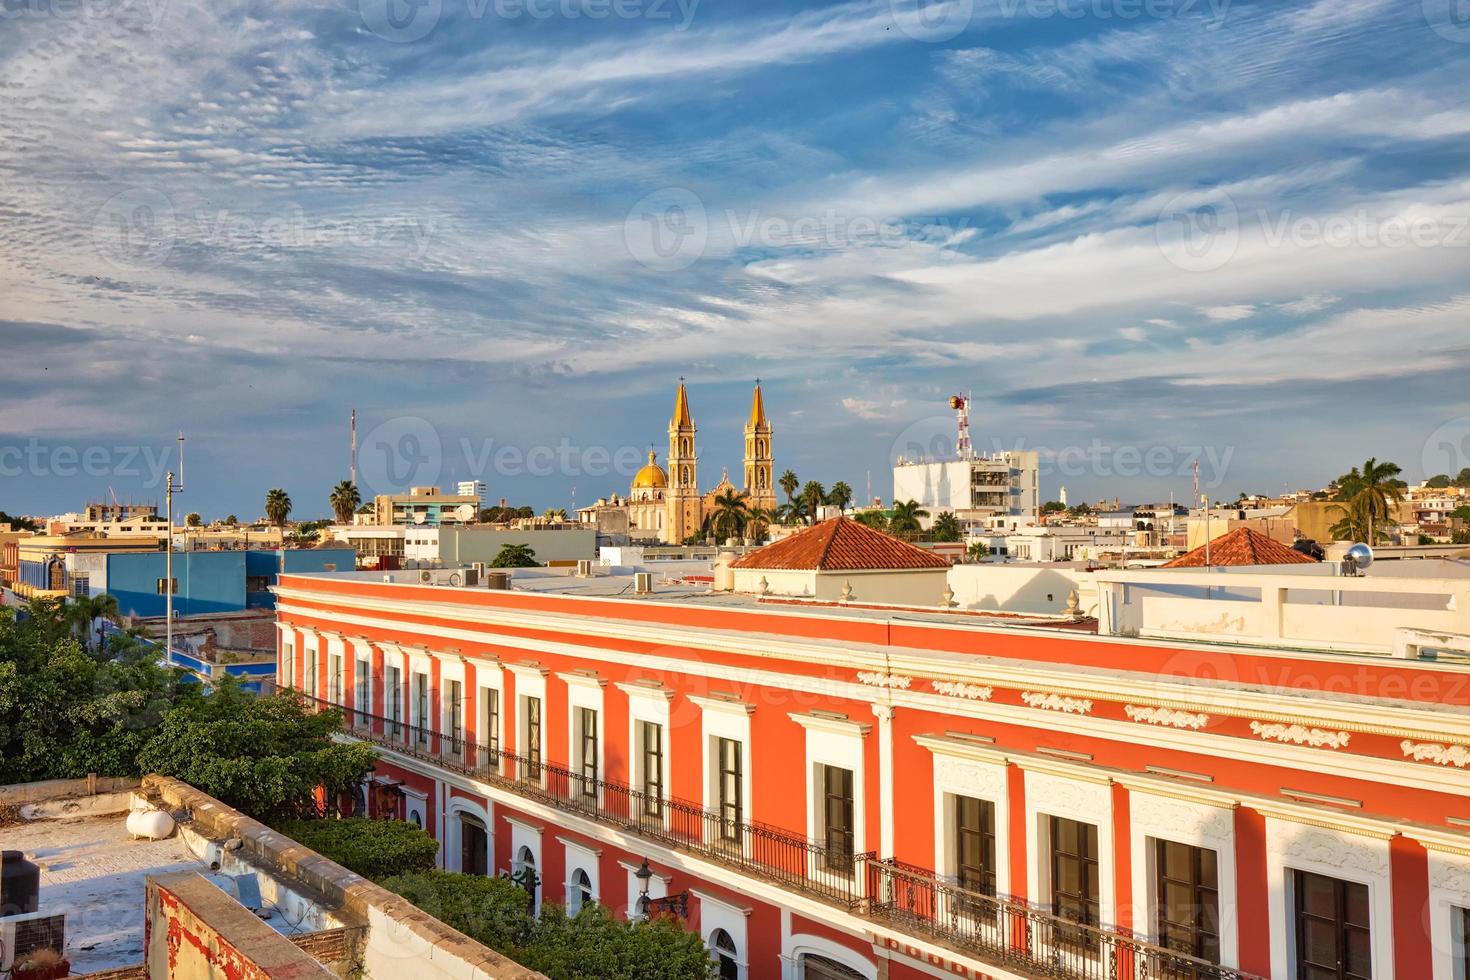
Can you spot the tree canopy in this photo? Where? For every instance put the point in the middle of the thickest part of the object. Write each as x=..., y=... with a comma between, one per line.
x=373, y=848
x=515, y=556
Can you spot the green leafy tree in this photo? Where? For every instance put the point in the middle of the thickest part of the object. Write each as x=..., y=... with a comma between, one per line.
x=875, y=519
x=492, y=911
x=978, y=551
x=82, y=614
x=1371, y=493
x=66, y=711
x=813, y=495
x=1460, y=535
x=192, y=519
x=1053, y=507
x=345, y=500
x=946, y=527
x=1462, y=512
x=1462, y=479
x=905, y=519
x=277, y=506
x=231, y=520
x=840, y=495
x=788, y=484
x=1081, y=510
x=515, y=556
x=593, y=944
x=18, y=523
x=1353, y=524
x=375, y=849
x=1439, y=482
x=761, y=519
x=266, y=756
x=731, y=514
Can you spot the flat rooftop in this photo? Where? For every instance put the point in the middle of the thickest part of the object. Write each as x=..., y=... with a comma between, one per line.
x=95, y=872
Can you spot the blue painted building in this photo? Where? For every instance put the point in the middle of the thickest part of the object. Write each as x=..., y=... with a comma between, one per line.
x=208, y=582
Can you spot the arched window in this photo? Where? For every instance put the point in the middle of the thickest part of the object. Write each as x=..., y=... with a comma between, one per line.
x=725, y=952
x=579, y=891
x=814, y=967
x=474, y=845
x=525, y=872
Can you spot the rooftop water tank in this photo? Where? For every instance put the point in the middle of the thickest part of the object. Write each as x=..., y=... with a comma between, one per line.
x=20, y=884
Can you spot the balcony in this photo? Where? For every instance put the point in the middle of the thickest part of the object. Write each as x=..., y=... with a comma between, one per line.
x=1009, y=933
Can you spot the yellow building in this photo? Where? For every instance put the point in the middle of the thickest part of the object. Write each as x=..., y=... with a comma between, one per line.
x=668, y=503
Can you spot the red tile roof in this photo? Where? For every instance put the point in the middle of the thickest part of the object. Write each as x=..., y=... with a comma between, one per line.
x=1242, y=546
x=840, y=544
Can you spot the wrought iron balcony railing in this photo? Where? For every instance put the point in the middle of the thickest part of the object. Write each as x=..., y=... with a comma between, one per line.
x=1020, y=936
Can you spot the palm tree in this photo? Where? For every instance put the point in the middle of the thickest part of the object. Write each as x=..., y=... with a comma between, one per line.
x=277, y=506
x=732, y=512
x=192, y=519
x=515, y=556
x=813, y=494
x=1354, y=525
x=760, y=520
x=875, y=519
x=905, y=519
x=555, y=514
x=344, y=500
x=789, y=483
x=231, y=520
x=946, y=527
x=1374, y=490
x=82, y=613
x=840, y=495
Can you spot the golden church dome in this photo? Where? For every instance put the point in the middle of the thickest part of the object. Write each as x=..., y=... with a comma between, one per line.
x=652, y=476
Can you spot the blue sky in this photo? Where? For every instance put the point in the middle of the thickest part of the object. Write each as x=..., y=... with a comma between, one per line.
x=1137, y=230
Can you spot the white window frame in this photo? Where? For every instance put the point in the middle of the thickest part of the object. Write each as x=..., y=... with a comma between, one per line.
x=835, y=742
x=585, y=691
x=362, y=678
x=964, y=769
x=530, y=682
x=286, y=670
x=489, y=678
x=647, y=703
x=730, y=719
x=717, y=913
x=580, y=857
x=1449, y=891
x=1074, y=794
x=528, y=836
x=310, y=660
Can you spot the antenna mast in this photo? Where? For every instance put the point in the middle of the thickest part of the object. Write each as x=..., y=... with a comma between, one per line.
x=354, y=447
x=961, y=405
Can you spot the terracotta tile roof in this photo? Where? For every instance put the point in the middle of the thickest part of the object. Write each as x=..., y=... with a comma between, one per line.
x=1242, y=546
x=840, y=544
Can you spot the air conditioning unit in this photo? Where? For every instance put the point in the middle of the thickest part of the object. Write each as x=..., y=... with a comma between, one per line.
x=471, y=577
x=426, y=577
x=28, y=932
x=497, y=580
x=642, y=582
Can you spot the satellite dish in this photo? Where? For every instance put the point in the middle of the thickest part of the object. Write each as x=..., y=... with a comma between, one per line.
x=464, y=512
x=1360, y=555
x=420, y=518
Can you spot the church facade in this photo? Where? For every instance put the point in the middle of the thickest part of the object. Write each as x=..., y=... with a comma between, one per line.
x=667, y=504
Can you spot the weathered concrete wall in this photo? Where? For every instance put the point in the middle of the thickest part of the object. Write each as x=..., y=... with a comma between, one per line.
x=194, y=931
x=401, y=939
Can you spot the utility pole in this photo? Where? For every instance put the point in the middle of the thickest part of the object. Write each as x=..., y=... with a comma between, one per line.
x=354, y=447
x=170, y=488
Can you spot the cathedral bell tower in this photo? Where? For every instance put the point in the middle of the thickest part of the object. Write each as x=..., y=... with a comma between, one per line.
x=758, y=464
x=683, y=495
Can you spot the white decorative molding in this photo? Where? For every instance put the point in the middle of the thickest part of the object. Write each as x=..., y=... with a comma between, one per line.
x=987, y=782
x=1443, y=755
x=873, y=679
x=1173, y=819
x=956, y=689
x=1299, y=735
x=1055, y=702
x=1166, y=716
x=1337, y=851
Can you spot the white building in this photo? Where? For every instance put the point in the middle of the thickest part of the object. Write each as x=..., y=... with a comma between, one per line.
x=470, y=488
x=975, y=489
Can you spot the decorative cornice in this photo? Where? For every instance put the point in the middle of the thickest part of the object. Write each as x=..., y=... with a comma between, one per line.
x=874, y=679
x=1055, y=702
x=1299, y=735
x=1443, y=755
x=1166, y=716
x=959, y=689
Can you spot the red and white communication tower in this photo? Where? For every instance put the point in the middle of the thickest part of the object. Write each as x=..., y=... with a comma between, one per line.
x=961, y=405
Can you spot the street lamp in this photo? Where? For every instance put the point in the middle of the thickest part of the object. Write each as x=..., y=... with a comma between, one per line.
x=670, y=905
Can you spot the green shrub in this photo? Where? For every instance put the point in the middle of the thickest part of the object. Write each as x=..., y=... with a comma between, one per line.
x=493, y=911
x=373, y=848
x=593, y=945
